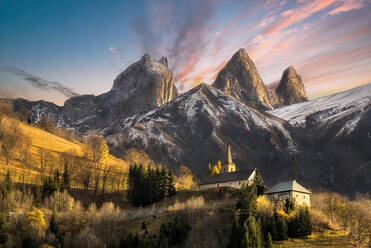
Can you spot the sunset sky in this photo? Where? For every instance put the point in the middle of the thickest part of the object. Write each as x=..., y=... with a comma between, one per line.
x=52, y=50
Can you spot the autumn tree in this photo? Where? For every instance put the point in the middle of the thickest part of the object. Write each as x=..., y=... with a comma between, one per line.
x=24, y=115
x=12, y=138
x=96, y=150
x=47, y=124
x=6, y=108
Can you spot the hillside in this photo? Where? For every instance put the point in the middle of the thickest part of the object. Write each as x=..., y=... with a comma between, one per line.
x=45, y=153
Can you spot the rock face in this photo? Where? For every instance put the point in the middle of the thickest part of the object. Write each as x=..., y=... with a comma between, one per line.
x=40, y=108
x=193, y=129
x=145, y=85
x=240, y=79
x=291, y=89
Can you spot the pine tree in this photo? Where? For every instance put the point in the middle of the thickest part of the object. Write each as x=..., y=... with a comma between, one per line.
x=268, y=241
x=254, y=230
x=246, y=203
x=300, y=225
x=171, y=191
x=66, y=177
x=8, y=184
x=53, y=225
x=258, y=181
x=280, y=228
x=289, y=206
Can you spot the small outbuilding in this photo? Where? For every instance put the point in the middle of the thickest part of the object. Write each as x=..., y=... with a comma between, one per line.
x=291, y=190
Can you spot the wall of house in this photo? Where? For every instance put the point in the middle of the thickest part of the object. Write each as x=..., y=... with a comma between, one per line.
x=298, y=197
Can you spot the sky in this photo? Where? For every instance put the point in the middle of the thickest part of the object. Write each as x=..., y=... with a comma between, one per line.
x=53, y=50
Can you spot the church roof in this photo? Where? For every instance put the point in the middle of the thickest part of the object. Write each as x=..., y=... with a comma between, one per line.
x=291, y=185
x=228, y=177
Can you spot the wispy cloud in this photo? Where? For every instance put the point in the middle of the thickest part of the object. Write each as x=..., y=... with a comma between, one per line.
x=179, y=33
x=40, y=83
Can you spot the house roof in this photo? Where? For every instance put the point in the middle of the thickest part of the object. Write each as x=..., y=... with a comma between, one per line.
x=291, y=185
x=228, y=177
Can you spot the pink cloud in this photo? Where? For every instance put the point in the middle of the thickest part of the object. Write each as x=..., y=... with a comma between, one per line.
x=347, y=5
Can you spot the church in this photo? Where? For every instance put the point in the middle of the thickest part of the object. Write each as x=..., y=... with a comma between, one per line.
x=229, y=176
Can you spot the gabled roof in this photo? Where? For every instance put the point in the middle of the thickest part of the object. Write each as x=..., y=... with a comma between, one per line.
x=229, y=177
x=287, y=186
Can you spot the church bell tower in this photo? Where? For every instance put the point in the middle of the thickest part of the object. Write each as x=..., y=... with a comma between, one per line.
x=228, y=165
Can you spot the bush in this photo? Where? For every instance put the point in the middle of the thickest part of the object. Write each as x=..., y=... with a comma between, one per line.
x=191, y=203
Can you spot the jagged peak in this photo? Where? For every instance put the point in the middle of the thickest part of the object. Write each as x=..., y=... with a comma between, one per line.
x=241, y=55
x=290, y=69
x=163, y=61
x=146, y=58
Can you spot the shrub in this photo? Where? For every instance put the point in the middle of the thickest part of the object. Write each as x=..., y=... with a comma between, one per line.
x=191, y=203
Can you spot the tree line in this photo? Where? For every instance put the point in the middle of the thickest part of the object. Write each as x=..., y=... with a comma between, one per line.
x=149, y=185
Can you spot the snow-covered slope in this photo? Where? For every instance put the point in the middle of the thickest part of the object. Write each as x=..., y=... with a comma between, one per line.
x=350, y=104
x=193, y=130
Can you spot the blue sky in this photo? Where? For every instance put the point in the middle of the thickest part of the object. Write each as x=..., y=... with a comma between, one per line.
x=84, y=45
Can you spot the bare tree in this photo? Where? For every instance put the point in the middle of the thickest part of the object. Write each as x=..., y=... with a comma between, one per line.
x=12, y=138
x=6, y=107
x=97, y=150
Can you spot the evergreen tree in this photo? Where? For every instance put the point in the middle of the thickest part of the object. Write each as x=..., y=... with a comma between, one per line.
x=254, y=229
x=66, y=177
x=53, y=225
x=38, y=196
x=3, y=229
x=300, y=225
x=268, y=241
x=171, y=191
x=258, y=181
x=246, y=203
x=280, y=227
x=289, y=206
x=8, y=184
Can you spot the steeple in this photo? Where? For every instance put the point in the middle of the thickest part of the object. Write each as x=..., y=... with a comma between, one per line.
x=228, y=155
x=228, y=165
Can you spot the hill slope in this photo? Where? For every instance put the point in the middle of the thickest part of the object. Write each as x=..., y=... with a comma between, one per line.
x=46, y=153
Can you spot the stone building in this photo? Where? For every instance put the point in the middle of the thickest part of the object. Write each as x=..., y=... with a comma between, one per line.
x=228, y=175
x=291, y=190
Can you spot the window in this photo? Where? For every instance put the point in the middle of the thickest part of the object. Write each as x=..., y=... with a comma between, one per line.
x=217, y=185
x=297, y=195
x=239, y=183
x=230, y=183
x=303, y=196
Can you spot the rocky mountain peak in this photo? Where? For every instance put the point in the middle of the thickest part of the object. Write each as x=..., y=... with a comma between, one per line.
x=163, y=61
x=240, y=79
x=291, y=89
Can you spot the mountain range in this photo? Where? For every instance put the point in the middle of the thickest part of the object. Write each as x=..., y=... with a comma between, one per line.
x=325, y=142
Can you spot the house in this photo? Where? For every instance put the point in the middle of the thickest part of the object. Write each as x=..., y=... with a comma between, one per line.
x=291, y=190
x=228, y=175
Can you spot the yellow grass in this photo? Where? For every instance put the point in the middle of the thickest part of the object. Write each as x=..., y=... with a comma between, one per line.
x=55, y=146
